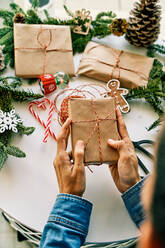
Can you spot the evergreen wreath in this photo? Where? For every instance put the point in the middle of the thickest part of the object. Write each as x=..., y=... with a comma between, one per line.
x=9, y=92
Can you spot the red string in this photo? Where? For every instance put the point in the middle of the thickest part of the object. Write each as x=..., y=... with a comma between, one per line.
x=80, y=90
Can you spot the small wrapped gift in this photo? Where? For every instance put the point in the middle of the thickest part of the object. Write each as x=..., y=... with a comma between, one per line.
x=42, y=49
x=94, y=122
x=105, y=63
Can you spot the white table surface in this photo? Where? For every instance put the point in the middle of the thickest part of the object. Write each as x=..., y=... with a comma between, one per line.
x=28, y=187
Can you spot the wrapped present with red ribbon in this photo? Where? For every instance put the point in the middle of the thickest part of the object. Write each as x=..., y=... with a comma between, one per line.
x=94, y=121
x=42, y=49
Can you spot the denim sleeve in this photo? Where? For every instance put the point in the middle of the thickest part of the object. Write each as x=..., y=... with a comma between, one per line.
x=132, y=201
x=68, y=223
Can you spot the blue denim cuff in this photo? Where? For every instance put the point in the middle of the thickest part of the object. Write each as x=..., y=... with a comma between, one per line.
x=132, y=201
x=71, y=211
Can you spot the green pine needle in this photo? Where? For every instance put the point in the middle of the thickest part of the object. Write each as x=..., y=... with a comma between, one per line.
x=3, y=155
x=68, y=11
x=4, y=31
x=154, y=93
x=35, y=4
x=155, y=124
x=15, y=151
x=16, y=8
x=46, y=14
x=105, y=17
x=9, y=92
x=6, y=38
x=155, y=48
x=25, y=130
x=32, y=17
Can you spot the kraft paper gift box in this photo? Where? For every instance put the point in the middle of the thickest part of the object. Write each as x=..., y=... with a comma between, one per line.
x=42, y=49
x=94, y=122
x=105, y=63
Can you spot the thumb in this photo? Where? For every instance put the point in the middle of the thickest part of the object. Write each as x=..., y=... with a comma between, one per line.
x=115, y=144
x=79, y=153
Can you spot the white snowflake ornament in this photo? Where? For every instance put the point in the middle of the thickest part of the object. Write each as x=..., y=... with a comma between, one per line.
x=9, y=121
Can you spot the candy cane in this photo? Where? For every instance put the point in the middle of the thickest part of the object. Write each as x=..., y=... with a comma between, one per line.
x=48, y=123
x=41, y=104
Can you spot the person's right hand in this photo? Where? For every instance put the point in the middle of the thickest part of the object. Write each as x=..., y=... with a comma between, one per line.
x=125, y=172
x=71, y=177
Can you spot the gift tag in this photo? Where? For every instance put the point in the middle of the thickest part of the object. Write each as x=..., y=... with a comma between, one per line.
x=118, y=93
x=83, y=21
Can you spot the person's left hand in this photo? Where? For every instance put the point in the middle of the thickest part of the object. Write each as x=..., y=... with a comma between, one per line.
x=71, y=177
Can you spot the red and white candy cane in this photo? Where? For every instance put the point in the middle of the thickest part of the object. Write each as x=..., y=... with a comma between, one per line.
x=42, y=104
x=48, y=123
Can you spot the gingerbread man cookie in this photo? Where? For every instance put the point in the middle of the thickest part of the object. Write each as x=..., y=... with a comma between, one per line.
x=115, y=91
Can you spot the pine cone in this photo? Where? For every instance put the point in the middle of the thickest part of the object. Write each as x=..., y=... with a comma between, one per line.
x=1, y=59
x=19, y=18
x=144, y=23
x=119, y=27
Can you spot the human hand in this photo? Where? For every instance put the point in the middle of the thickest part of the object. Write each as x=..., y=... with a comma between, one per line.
x=71, y=177
x=125, y=172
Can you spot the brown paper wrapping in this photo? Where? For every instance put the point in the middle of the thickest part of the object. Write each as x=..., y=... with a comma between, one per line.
x=104, y=63
x=32, y=59
x=82, y=110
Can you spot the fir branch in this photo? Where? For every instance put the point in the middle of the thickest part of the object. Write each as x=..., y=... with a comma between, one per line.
x=4, y=31
x=32, y=81
x=16, y=8
x=25, y=130
x=46, y=14
x=6, y=38
x=7, y=17
x=6, y=62
x=155, y=124
x=16, y=83
x=9, y=92
x=15, y=151
x=100, y=30
x=154, y=93
x=6, y=137
x=69, y=12
x=8, y=49
x=11, y=63
x=22, y=95
x=32, y=17
x=3, y=155
x=5, y=100
x=16, y=94
x=105, y=17
x=155, y=48
x=80, y=42
x=35, y=4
